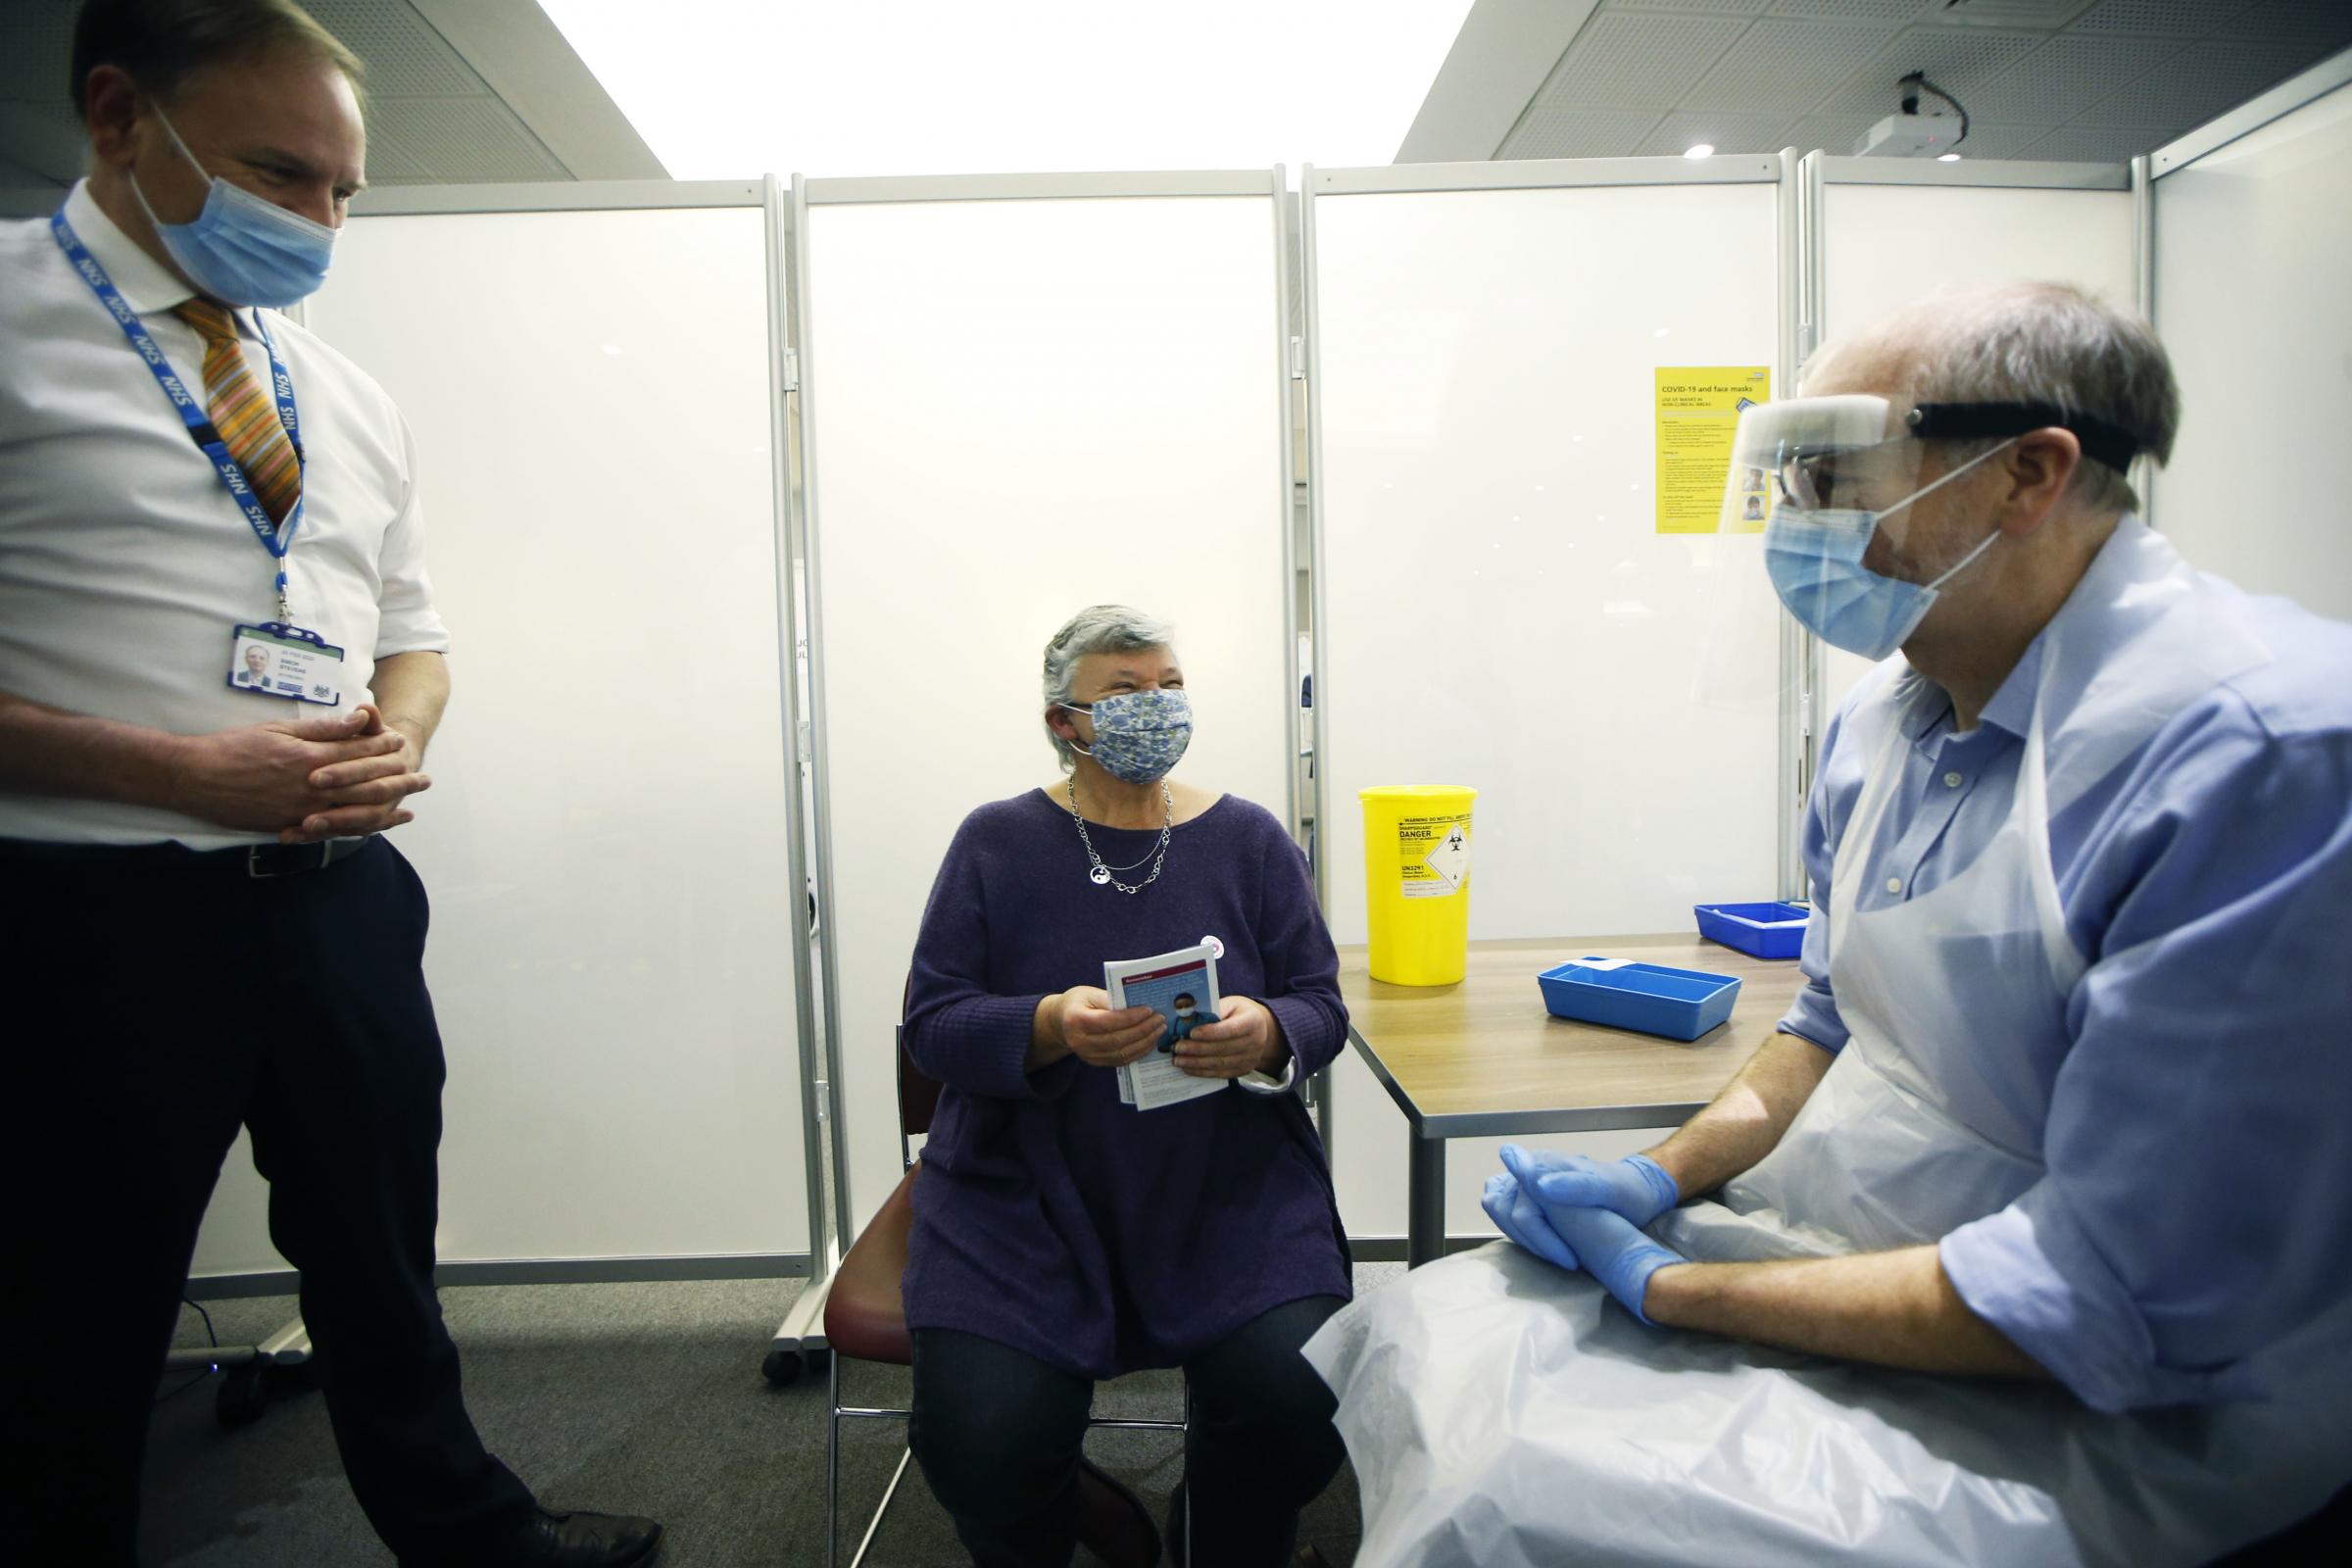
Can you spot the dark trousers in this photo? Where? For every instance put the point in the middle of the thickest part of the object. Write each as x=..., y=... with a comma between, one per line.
x=151, y=1008
x=998, y=1432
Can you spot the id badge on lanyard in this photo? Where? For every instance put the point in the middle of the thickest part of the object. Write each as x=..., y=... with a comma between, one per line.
x=275, y=659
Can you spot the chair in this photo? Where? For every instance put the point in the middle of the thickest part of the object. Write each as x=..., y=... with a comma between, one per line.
x=864, y=1317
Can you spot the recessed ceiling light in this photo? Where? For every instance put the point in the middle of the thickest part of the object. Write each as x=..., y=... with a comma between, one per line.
x=1948, y=158
x=1705, y=149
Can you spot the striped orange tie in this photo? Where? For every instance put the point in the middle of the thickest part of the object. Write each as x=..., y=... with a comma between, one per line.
x=243, y=411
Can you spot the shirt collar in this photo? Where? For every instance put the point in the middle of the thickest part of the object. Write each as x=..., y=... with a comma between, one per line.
x=146, y=285
x=2080, y=619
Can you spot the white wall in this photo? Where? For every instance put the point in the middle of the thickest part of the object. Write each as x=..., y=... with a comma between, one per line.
x=1499, y=611
x=1884, y=246
x=2254, y=299
x=605, y=841
x=1020, y=408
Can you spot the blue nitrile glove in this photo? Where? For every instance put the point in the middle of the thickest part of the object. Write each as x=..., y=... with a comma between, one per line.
x=1612, y=1251
x=1636, y=1186
x=1516, y=1215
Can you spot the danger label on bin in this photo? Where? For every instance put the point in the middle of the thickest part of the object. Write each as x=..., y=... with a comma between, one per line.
x=1436, y=855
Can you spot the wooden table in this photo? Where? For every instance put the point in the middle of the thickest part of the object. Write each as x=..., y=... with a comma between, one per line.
x=1483, y=1058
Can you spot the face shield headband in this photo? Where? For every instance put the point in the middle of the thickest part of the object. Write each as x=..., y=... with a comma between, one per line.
x=1842, y=453
x=1826, y=476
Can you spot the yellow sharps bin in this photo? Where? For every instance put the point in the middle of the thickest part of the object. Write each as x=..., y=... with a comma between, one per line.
x=1417, y=881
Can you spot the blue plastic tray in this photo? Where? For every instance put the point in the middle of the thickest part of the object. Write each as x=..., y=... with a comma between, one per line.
x=1766, y=930
x=1679, y=1004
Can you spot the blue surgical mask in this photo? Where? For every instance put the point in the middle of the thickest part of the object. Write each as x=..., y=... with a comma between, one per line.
x=1814, y=559
x=1139, y=736
x=243, y=250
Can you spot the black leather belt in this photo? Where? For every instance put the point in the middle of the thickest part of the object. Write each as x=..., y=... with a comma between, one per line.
x=241, y=860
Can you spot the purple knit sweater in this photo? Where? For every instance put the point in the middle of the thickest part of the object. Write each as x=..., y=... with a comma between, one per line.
x=1051, y=1217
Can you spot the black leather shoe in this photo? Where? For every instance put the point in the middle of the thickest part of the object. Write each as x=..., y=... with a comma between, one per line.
x=586, y=1540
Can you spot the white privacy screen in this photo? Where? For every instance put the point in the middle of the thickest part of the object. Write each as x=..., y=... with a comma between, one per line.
x=1018, y=409
x=2254, y=299
x=605, y=839
x=1884, y=246
x=1500, y=609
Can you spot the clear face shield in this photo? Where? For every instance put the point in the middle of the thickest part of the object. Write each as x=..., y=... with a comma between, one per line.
x=1828, y=475
x=1824, y=478
x=1833, y=455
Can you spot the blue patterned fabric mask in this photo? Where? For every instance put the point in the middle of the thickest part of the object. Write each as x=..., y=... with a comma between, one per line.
x=1139, y=736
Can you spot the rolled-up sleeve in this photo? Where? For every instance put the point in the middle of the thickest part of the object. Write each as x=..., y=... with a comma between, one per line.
x=406, y=621
x=955, y=1030
x=2200, y=1184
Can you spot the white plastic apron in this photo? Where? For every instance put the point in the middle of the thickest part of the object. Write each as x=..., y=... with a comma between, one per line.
x=1917, y=1128
x=1501, y=1412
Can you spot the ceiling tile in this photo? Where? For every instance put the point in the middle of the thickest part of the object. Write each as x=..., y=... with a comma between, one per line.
x=1627, y=61
x=1781, y=63
x=2196, y=86
x=462, y=140
x=1679, y=131
x=1577, y=134
x=1720, y=8
x=390, y=164
x=1992, y=139
x=1887, y=11
x=1959, y=59
x=405, y=57
x=2008, y=12
x=34, y=67
x=2067, y=76
x=2095, y=144
x=2320, y=24
x=2187, y=18
x=1834, y=134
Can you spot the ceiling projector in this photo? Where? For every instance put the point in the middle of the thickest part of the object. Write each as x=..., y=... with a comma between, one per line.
x=1909, y=136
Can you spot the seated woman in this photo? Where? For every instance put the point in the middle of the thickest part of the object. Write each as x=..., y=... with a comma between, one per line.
x=1061, y=1236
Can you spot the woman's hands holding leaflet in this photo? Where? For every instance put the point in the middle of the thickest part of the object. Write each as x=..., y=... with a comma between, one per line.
x=1081, y=1022
x=1245, y=1039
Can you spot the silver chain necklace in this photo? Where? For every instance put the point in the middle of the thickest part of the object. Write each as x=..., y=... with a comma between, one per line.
x=1100, y=874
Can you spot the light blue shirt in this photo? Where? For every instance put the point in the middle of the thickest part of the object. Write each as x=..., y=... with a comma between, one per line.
x=2198, y=1203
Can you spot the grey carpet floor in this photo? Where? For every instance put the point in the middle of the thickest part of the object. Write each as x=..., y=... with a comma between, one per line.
x=646, y=1399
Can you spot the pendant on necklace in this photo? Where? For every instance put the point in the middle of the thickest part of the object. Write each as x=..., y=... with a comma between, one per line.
x=1100, y=876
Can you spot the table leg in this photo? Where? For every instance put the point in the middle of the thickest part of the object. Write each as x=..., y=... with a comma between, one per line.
x=1425, y=1201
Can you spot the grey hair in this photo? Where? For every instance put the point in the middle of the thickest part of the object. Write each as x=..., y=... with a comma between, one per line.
x=1096, y=629
x=2042, y=343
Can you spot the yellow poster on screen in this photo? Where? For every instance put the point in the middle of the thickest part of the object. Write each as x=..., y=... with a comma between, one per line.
x=1698, y=409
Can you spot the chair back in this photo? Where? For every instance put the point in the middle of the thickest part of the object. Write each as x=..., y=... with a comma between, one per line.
x=918, y=1090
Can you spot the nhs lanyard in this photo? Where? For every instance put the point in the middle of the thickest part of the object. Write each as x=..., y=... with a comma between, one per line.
x=274, y=539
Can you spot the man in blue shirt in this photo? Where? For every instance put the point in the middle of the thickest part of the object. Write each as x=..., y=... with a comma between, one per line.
x=2064, y=1097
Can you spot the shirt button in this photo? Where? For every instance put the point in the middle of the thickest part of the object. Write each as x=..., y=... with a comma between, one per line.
x=1951, y=781
x=1894, y=884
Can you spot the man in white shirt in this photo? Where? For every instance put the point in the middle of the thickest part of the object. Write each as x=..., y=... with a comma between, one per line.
x=183, y=480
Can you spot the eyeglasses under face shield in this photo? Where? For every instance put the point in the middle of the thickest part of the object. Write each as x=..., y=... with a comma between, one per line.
x=1849, y=454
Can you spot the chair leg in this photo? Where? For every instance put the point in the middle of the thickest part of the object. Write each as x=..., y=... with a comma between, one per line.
x=833, y=1461
x=1188, y=1492
x=889, y=1494
x=833, y=1474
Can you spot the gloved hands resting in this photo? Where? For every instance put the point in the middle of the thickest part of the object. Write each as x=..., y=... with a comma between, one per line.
x=1574, y=1212
x=1637, y=1188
